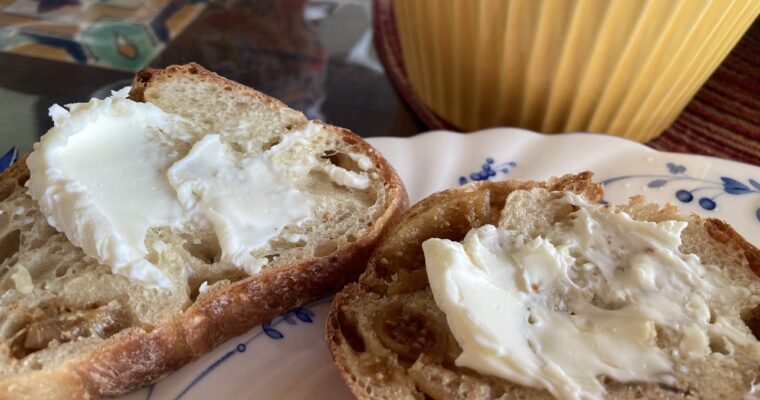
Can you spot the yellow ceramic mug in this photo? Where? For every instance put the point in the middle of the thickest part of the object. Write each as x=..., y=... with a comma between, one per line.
x=626, y=67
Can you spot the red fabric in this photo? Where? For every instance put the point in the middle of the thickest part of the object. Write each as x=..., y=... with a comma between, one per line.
x=723, y=119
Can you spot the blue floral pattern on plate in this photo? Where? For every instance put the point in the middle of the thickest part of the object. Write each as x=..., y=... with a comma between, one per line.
x=488, y=170
x=8, y=159
x=302, y=314
x=708, y=191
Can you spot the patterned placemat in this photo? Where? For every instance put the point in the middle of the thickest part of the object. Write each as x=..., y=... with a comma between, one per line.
x=119, y=34
x=723, y=119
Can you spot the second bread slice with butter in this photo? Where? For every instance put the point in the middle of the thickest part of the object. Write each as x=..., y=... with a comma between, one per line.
x=73, y=328
x=391, y=339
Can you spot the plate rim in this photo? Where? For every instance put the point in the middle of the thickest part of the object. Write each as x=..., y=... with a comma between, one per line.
x=554, y=136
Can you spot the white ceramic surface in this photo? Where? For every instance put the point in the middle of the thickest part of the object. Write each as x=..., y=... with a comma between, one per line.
x=288, y=359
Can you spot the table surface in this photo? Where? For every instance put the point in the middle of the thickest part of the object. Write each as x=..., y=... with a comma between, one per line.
x=318, y=57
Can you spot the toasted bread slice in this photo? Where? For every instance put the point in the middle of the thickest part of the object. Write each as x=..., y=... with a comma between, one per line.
x=70, y=328
x=390, y=340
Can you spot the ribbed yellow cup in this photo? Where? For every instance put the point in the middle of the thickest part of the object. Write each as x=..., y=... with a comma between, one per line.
x=625, y=67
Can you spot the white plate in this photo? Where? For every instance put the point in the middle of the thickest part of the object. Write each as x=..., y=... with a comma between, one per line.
x=288, y=359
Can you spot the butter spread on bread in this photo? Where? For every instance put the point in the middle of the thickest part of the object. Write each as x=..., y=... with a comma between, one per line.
x=583, y=300
x=111, y=169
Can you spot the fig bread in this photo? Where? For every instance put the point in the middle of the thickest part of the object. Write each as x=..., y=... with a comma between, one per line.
x=70, y=328
x=390, y=340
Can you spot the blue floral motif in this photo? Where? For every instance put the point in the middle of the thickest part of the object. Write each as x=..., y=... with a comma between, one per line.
x=711, y=190
x=271, y=332
x=675, y=169
x=8, y=159
x=303, y=314
x=488, y=170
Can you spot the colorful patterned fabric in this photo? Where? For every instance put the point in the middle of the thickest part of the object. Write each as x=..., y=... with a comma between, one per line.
x=119, y=34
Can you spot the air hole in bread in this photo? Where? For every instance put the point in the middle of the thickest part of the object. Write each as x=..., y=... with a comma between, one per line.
x=341, y=160
x=718, y=344
x=18, y=217
x=661, y=338
x=320, y=184
x=9, y=244
x=283, y=245
x=205, y=249
x=674, y=389
x=195, y=285
x=61, y=271
x=607, y=304
x=271, y=142
x=32, y=242
x=35, y=366
x=752, y=319
x=367, y=197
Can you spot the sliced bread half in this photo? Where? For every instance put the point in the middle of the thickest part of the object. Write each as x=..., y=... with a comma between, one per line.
x=71, y=328
x=391, y=340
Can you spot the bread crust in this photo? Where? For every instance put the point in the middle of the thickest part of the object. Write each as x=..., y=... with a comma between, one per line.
x=346, y=349
x=135, y=357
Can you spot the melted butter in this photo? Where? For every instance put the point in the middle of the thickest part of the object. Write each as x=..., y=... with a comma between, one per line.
x=559, y=312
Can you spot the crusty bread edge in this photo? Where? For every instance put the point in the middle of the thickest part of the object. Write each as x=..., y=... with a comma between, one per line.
x=135, y=359
x=337, y=343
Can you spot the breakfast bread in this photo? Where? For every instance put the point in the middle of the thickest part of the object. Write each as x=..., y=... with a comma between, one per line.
x=390, y=340
x=70, y=328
